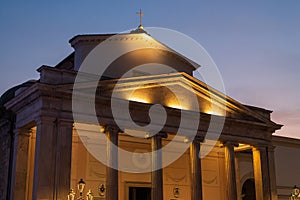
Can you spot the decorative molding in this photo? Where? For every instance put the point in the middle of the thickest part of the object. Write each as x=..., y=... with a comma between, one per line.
x=211, y=181
x=141, y=158
x=285, y=187
x=94, y=172
x=102, y=190
x=112, y=129
x=176, y=179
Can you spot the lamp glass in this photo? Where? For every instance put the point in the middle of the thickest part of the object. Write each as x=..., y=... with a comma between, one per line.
x=81, y=185
x=296, y=191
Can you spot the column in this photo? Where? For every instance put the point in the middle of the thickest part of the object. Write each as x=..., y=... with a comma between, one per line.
x=112, y=179
x=230, y=172
x=63, y=158
x=52, y=165
x=272, y=172
x=22, y=139
x=196, y=177
x=156, y=175
x=261, y=173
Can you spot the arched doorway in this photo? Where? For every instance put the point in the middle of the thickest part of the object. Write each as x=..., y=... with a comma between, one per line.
x=248, y=190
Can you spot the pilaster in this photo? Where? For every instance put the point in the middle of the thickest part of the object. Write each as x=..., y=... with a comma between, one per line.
x=272, y=172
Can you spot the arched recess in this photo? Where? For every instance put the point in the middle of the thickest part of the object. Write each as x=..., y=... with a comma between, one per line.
x=248, y=187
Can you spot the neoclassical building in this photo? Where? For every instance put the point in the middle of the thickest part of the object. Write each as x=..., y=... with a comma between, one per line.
x=50, y=151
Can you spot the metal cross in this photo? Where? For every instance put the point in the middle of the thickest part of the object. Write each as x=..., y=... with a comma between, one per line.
x=141, y=16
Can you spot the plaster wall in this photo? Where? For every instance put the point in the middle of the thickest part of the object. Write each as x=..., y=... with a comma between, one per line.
x=177, y=174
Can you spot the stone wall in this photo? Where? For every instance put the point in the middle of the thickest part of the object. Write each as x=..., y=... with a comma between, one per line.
x=5, y=149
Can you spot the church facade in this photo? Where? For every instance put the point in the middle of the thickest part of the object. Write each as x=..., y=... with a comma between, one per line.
x=50, y=151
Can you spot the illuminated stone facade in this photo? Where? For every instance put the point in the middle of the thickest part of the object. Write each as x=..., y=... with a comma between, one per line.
x=49, y=157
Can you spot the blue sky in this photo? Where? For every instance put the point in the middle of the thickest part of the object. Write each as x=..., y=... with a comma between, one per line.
x=255, y=44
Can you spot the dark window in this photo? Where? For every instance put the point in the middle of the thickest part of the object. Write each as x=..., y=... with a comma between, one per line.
x=248, y=190
x=139, y=193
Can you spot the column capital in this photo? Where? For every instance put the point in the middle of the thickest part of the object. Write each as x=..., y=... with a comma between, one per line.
x=259, y=147
x=199, y=139
x=230, y=143
x=42, y=119
x=271, y=148
x=112, y=129
x=52, y=119
x=65, y=121
x=160, y=134
x=23, y=132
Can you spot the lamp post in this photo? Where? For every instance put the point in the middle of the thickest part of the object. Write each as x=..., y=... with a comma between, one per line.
x=80, y=187
x=89, y=195
x=295, y=194
x=71, y=195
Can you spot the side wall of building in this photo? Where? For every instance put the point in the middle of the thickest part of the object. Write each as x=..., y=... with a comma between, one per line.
x=287, y=163
x=287, y=151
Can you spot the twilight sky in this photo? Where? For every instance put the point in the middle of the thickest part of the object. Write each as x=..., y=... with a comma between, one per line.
x=255, y=44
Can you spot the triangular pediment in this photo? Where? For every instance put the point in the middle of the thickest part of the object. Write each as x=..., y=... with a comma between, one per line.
x=180, y=90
